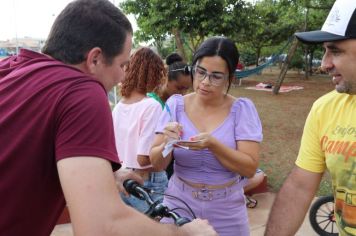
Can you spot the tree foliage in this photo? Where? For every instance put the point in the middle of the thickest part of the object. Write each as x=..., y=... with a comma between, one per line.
x=270, y=23
x=264, y=24
x=189, y=21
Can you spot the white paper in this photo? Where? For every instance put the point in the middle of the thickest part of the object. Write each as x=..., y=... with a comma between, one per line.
x=174, y=143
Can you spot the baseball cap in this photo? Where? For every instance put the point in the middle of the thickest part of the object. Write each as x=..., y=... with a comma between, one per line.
x=339, y=25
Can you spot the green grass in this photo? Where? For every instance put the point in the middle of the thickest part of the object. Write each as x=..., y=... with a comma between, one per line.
x=283, y=117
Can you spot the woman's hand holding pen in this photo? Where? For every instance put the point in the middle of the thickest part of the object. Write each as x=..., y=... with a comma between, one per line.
x=172, y=131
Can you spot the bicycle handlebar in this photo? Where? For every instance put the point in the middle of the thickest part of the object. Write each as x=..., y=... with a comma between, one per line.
x=155, y=209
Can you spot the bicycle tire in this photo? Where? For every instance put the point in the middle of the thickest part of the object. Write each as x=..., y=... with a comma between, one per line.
x=319, y=216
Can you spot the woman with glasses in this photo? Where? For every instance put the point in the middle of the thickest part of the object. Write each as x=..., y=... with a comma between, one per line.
x=214, y=138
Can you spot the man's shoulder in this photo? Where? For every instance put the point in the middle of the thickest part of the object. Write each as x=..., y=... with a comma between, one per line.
x=331, y=98
x=331, y=102
x=327, y=98
x=35, y=61
x=61, y=69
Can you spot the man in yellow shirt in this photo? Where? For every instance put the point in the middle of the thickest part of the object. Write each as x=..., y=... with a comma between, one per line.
x=329, y=138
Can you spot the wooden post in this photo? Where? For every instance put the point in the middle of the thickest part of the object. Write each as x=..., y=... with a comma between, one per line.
x=284, y=69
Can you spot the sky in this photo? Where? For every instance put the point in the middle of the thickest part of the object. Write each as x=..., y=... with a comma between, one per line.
x=32, y=18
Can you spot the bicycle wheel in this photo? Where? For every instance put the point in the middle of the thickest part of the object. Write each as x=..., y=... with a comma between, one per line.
x=321, y=216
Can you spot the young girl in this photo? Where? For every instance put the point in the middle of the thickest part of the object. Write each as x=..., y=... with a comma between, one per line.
x=135, y=118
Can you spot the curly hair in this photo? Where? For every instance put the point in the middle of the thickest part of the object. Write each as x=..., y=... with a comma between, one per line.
x=144, y=73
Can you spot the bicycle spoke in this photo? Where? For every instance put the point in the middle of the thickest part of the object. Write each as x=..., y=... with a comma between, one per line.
x=323, y=216
x=319, y=222
x=326, y=225
x=332, y=228
x=324, y=211
x=330, y=207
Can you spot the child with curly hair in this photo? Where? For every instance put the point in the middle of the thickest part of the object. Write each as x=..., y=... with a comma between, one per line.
x=135, y=118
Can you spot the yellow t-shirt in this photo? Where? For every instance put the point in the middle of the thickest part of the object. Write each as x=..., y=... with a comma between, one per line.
x=329, y=141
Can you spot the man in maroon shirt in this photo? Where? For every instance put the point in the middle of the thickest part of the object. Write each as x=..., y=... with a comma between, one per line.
x=56, y=134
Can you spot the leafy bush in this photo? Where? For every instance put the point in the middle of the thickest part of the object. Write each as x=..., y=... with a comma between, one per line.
x=248, y=58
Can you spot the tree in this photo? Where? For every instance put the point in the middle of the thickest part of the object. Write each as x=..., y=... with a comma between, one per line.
x=146, y=22
x=265, y=24
x=268, y=24
x=315, y=13
x=189, y=21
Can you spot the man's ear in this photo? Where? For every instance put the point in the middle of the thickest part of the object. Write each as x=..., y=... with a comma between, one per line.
x=94, y=59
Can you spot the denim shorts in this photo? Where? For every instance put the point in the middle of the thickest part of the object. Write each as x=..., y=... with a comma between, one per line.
x=157, y=182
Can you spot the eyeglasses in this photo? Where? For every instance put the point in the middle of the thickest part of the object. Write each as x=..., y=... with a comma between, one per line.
x=215, y=78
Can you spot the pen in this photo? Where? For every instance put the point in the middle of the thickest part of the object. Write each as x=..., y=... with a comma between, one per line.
x=169, y=112
x=170, y=116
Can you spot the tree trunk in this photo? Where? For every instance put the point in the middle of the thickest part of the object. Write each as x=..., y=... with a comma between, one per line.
x=258, y=53
x=284, y=70
x=195, y=41
x=179, y=43
x=306, y=64
x=311, y=57
x=158, y=44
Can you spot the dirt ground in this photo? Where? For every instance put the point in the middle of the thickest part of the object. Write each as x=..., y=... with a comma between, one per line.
x=283, y=117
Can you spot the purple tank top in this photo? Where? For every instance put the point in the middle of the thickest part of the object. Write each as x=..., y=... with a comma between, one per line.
x=201, y=166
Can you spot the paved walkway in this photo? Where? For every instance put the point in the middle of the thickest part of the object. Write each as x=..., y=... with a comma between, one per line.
x=257, y=216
